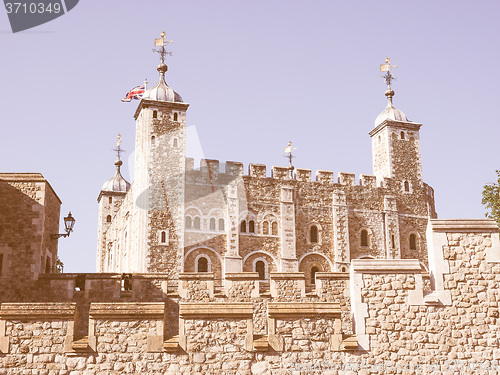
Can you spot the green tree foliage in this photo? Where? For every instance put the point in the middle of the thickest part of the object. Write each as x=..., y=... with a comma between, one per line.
x=491, y=199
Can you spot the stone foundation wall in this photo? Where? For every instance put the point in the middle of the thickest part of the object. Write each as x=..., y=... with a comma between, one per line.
x=380, y=318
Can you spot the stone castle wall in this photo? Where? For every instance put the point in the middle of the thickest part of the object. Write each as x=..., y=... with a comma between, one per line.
x=383, y=211
x=340, y=222
x=379, y=318
x=30, y=214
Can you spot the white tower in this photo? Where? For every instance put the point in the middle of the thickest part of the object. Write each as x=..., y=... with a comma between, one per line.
x=158, y=188
x=396, y=142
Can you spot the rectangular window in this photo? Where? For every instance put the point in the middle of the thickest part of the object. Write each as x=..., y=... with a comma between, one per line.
x=1, y=263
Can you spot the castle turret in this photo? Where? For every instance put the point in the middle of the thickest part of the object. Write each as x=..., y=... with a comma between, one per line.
x=158, y=188
x=396, y=143
x=398, y=167
x=110, y=199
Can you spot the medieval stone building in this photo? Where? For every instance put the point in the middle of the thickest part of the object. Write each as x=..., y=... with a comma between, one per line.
x=211, y=271
x=215, y=218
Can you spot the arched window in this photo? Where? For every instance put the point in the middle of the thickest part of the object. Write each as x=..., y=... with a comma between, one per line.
x=110, y=200
x=314, y=270
x=153, y=139
x=364, y=238
x=189, y=222
x=260, y=268
x=402, y=135
x=407, y=186
x=175, y=116
x=243, y=226
x=212, y=223
x=197, y=222
x=175, y=142
x=108, y=219
x=202, y=264
x=221, y=224
x=265, y=227
x=413, y=241
x=274, y=227
x=163, y=236
x=251, y=226
x=155, y=114
x=313, y=234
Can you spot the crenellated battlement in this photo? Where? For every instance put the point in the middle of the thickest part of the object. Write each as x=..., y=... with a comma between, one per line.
x=213, y=169
x=103, y=286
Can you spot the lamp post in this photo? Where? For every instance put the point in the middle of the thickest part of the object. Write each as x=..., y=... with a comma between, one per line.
x=69, y=222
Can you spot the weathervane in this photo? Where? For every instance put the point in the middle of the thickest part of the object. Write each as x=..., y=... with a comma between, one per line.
x=288, y=152
x=119, y=148
x=388, y=75
x=162, y=42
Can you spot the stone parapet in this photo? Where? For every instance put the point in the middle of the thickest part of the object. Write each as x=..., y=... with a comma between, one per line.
x=386, y=298
x=368, y=181
x=234, y=168
x=280, y=173
x=325, y=177
x=210, y=166
x=241, y=286
x=288, y=286
x=257, y=170
x=347, y=179
x=103, y=286
x=303, y=174
x=196, y=286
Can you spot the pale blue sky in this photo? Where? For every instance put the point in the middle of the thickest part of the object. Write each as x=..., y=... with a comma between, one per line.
x=256, y=74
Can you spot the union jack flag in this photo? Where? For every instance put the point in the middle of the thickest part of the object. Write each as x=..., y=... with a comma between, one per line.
x=135, y=93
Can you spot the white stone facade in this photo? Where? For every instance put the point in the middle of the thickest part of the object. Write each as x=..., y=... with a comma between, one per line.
x=233, y=219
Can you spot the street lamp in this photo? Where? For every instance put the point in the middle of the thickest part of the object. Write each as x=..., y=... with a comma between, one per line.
x=69, y=222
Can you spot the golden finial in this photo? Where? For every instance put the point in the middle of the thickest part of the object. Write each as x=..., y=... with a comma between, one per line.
x=162, y=42
x=388, y=76
x=118, y=148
